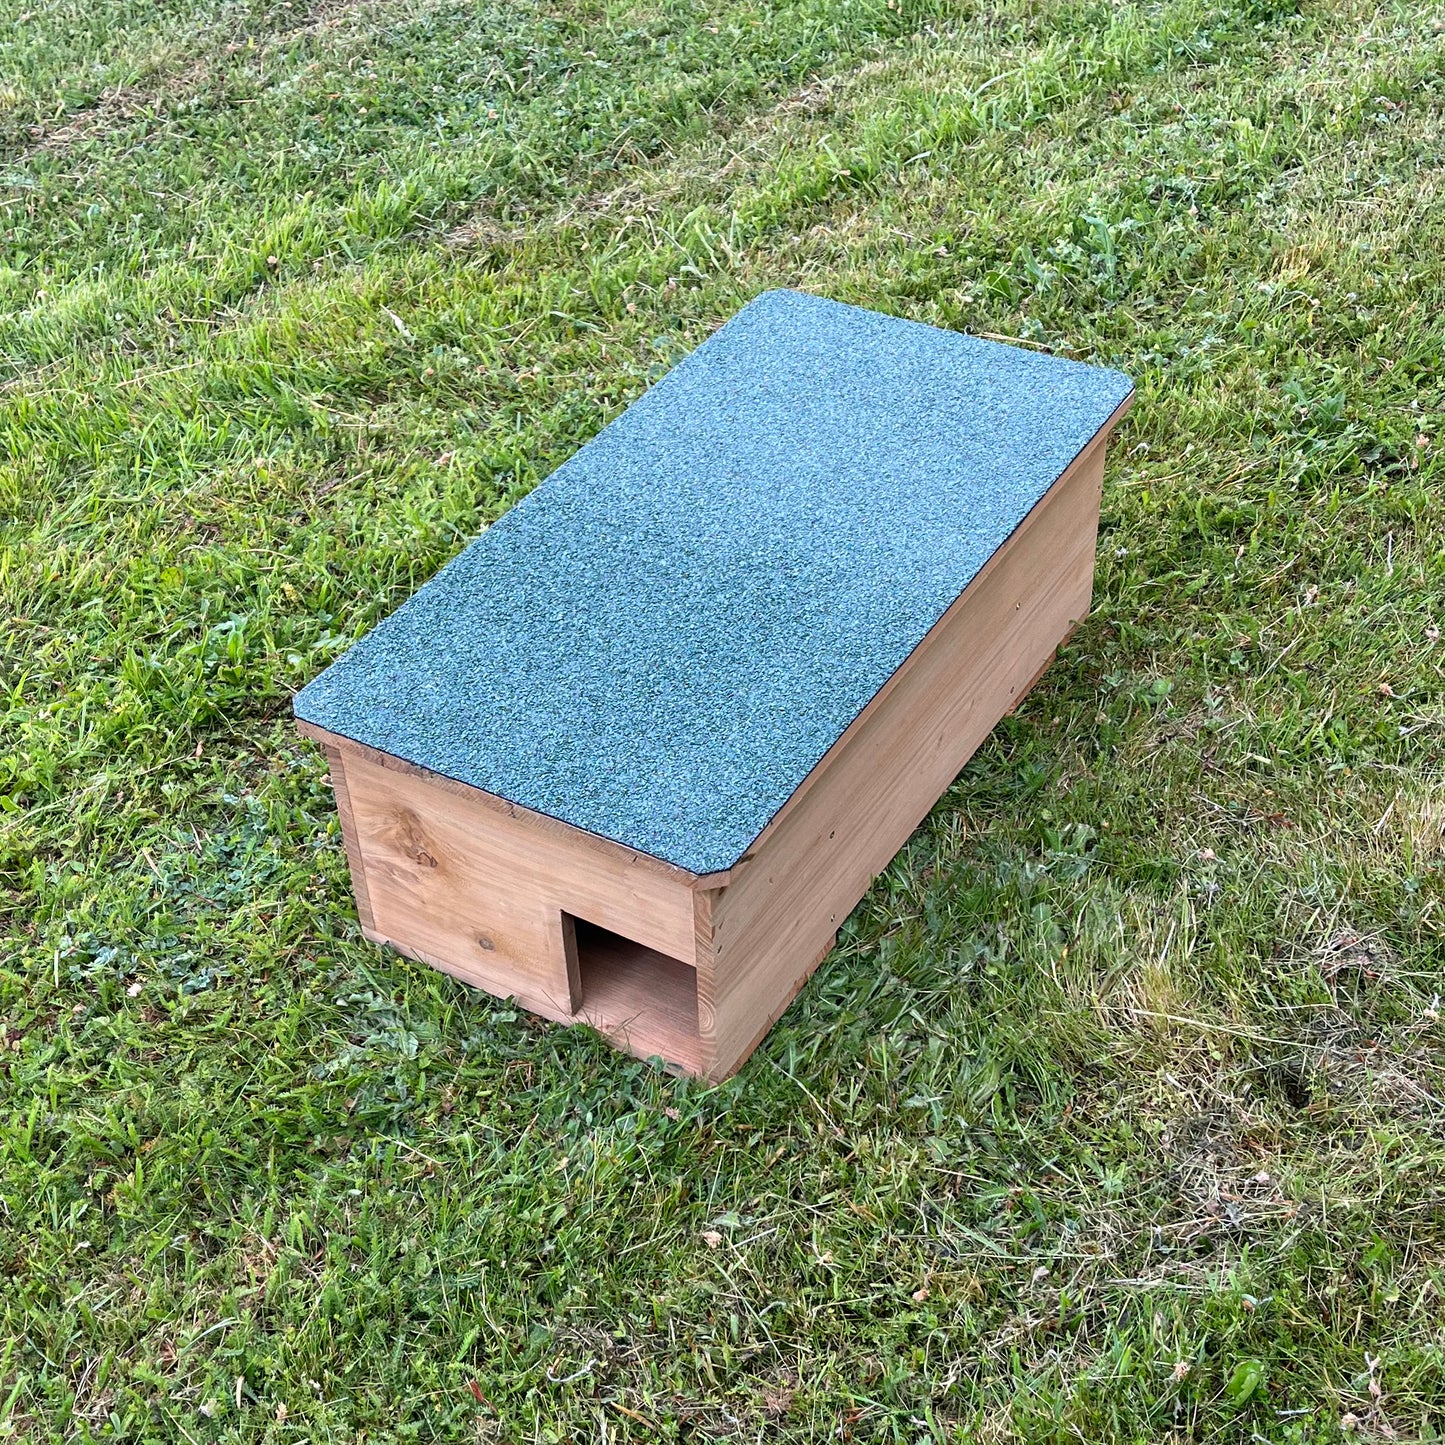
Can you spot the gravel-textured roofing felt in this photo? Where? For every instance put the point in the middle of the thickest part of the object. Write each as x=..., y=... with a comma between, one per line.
x=660, y=642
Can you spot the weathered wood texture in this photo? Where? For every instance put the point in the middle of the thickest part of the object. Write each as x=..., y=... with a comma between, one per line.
x=491, y=897
x=697, y=969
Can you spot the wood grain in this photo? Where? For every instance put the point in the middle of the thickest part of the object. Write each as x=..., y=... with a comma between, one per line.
x=354, y=856
x=447, y=877
x=569, y=838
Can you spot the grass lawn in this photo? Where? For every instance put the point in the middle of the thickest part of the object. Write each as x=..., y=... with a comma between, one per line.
x=1119, y=1111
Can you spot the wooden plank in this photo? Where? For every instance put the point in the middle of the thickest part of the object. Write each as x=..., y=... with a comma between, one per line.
x=567, y=837
x=348, y=835
x=818, y=857
x=570, y=961
x=702, y=957
x=449, y=878
x=784, y=991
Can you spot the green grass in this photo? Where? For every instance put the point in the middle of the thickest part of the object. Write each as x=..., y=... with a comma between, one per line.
x=1119, y=1111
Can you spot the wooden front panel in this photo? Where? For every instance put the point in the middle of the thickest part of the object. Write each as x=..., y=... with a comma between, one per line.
x=775, y=917
x=481, y=893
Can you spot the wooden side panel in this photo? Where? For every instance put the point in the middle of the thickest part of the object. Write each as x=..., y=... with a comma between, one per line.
x=348, y=834
x=569, y=839
x=781, y=906
x=482, y=895
x=702, y=906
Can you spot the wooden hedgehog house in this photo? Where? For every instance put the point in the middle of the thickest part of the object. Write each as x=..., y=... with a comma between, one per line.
x=635, y=754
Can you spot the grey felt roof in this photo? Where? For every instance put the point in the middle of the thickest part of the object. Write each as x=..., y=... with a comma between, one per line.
x=660, y=642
